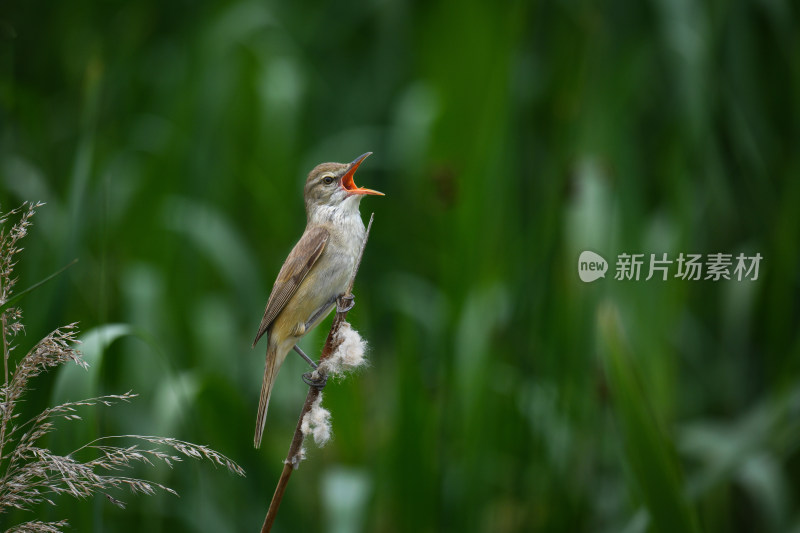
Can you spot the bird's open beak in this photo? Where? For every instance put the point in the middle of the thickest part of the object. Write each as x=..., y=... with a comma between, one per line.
x=347, y=179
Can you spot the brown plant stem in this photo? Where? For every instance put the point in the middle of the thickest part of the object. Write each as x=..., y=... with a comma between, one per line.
x=5, y=348
x=4, y=421
x=5, y=418
x=293, y=459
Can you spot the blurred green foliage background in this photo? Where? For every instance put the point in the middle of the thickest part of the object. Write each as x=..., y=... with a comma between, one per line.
x=170, y=141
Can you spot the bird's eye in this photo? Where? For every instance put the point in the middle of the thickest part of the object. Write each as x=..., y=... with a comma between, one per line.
x=327, y=180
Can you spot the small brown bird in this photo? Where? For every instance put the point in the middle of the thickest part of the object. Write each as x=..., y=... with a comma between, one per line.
x=317, y=270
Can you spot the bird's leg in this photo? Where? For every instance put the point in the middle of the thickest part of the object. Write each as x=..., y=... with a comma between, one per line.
x=345, y=303
x=320, y=380
x=304, y=356
x=324, y=310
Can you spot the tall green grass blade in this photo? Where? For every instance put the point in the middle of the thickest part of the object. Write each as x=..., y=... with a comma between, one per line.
x=649, y=450
x=17, y=297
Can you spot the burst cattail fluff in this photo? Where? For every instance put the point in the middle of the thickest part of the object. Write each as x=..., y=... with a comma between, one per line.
x=317, y=423
x=349, y=353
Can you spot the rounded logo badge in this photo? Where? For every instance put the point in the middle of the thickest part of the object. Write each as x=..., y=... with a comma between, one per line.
x=591, y=266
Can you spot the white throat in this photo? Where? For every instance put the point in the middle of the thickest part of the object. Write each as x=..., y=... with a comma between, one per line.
x=339, y=214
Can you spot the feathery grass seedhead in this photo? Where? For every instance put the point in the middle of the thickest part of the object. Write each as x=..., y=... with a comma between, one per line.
x=9, y=245
x=31, y=474
x=36, y=526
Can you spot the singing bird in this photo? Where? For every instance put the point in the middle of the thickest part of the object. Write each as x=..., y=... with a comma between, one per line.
x=317, y=270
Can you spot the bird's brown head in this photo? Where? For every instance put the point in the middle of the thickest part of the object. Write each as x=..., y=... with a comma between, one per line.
x=332, y=185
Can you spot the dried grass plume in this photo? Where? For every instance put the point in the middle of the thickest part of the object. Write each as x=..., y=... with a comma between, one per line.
x=31, y=474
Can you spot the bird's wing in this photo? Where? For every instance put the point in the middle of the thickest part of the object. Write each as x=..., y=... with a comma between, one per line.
x=299, y=263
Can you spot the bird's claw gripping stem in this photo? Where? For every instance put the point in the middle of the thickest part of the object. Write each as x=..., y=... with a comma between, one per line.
x=345, y=303
x=317, y=382
x=315, y=379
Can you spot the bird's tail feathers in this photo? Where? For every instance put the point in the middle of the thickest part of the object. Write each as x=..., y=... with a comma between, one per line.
x=270, y=372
